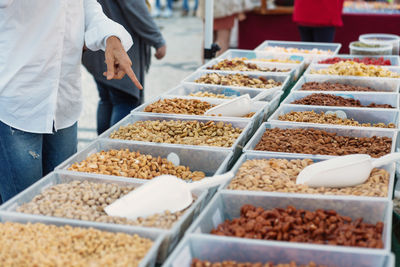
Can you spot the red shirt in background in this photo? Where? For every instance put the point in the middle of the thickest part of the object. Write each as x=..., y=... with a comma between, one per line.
x=318, y=12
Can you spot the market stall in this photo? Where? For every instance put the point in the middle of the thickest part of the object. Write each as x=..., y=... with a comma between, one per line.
x=279, y=25
x=261, y=214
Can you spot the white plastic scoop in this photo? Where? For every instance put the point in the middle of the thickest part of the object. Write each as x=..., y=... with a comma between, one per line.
x=165, y=192
x=239, y=106
x=342, y=171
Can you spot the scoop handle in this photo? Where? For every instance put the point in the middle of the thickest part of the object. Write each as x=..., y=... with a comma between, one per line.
x=210, y=181
x=386, y=159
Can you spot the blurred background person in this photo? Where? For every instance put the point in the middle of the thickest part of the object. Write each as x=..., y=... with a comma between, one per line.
x=119, y=97
x=167, y=12
x=317, y=19
x=225, y=12
x=186, y=8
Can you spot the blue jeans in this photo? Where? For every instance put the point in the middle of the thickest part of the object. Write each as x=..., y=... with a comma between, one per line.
x=113, y=106
x=27, y=157
x=169, y=4
x=186, y=5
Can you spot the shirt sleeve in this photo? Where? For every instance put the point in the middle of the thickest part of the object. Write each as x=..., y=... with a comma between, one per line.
x=98, y=27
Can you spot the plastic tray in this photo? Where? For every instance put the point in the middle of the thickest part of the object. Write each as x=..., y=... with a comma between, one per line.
x=148, y=261
x=387, y=85
x=334, y=47
x=170, y=236
x=344, y=131
x=365, y=98
x=279, y=77
x=238, y=123
x=209, y=160
x=293, y=68
x=218, y=249
x=362, y=115
x=226, y=205
x=324, y=66
x=390, y=168
x=383, y=49
x=251, y=55
x=379, y=38
x=260, y=108
x=395, y=60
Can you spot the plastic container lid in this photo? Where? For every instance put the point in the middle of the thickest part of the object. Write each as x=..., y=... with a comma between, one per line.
x=383, y=49
x=380, y=38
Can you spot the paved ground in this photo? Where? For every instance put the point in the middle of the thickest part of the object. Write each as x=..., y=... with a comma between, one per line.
x=184, y=38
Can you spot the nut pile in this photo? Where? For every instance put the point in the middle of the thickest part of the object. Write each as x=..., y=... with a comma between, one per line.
x=180, y=132
x=322, y=118
x=312, y=141
x=209, y=94
x=238, y=80
x=351, y=68
x=49, y=245
x=199, y=263
x=334, y=100
x=326, y=86
x=298, y=225
x=276, y=60
x=239, y=65
x=293, y=50
x=179, y=106
x=133, y=164
x=279, y=175
x=87, y=200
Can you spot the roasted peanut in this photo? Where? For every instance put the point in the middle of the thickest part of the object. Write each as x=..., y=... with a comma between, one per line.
x=49, y=245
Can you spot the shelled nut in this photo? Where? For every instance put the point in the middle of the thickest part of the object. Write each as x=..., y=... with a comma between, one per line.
x=351, y=68
x=87, y=200
x=239, y=65
x=313, y=141
x=231, y=263
x=238, y=80
x=326, y=86
x=133, y=164
x=179, y=106
x=320, y=99
x=180, y=132
x=279, y=175
x=299, y=225
x=49, y=245
x=209, y=94
x=322, y=118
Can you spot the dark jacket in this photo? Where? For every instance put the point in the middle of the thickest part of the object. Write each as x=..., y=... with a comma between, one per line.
x=135, y=17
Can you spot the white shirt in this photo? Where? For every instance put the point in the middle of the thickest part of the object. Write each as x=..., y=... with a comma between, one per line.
x=41, y=45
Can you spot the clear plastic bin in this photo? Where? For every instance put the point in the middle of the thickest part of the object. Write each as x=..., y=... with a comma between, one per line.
x=252, y=56
x=278, y=77
x=170, y=236
x=387, y=85
x=148, y=261
x=365, y=98
x=362, y=115
x=238, y=123
x=216, y=249
x=293, y=67
x=226, y=205
x=390, y=168
x=333, y=47
x=260, y=108
x=379, y=38
x=394, y=60
x=209, y=160
x=395, y=69
x=343, y=131
x=186, y=90
x=383, y=49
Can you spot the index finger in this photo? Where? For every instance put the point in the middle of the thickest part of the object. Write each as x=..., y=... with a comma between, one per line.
x=132, y=76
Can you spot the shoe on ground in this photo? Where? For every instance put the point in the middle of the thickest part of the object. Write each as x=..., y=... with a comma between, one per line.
x=156, y=12
x=185, y=13
x=167, y=13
